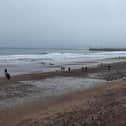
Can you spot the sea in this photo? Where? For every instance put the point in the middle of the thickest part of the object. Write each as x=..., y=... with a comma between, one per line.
x=27, y=60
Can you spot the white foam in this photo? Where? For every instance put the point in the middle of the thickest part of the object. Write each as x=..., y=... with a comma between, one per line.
x=58, y=58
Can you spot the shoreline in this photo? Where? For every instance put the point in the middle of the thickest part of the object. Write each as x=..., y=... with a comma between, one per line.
x=20, y=69
x=101, y=69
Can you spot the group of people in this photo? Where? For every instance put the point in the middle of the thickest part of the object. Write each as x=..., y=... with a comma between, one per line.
x=84, y=69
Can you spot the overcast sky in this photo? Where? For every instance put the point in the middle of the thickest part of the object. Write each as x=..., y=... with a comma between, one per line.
x=63, y=23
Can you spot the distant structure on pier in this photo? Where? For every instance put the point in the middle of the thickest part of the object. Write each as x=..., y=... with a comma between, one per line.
x=107, y=49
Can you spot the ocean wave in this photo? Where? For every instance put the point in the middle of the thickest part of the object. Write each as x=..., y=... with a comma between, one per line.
x=58, y=57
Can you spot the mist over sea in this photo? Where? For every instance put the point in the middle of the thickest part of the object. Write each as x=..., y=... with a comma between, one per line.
x=22, y=60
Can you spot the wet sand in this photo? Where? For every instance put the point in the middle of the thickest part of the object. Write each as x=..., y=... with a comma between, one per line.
x=65, y=89
x=102, y=106
x=14, y=94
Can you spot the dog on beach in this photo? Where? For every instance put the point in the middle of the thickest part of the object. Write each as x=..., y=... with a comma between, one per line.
x=7, y=75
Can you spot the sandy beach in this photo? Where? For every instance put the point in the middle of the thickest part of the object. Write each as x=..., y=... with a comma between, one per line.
x=62, y=63
x=74, y=98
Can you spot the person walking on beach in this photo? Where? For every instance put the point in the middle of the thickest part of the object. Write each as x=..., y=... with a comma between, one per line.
x=82, y=69
x=69, y=69
x=109, y=67
x=7, y=75
x=86, y=69
x=62, y=68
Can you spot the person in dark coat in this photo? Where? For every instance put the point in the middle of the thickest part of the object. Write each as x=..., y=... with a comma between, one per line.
x=109, y=67
x=69, y=69
x=82, y=69
x=7, y=75
x=86, y=69
x=62, y=68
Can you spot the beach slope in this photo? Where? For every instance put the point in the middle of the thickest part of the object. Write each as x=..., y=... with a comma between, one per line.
x=102, y=106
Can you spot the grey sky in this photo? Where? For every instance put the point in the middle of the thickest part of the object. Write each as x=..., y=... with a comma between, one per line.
x=63, y=23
